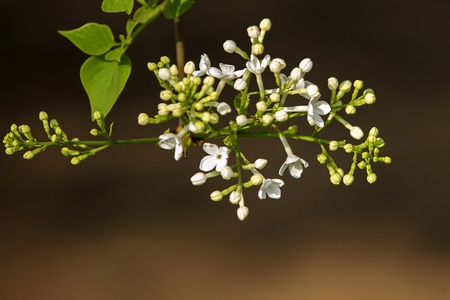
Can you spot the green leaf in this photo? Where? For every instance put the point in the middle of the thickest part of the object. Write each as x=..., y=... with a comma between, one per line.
x=104, y=80
x=91, y=38
x=175, y=8
x=146, y=14
x=114, y=6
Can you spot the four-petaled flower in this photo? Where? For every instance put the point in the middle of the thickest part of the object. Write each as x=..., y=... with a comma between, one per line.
x=204, y=65
x=257, y=67
x=295, y=165
x=271, y=188
x=217, y=158
x=316, y=108
x=226, y=72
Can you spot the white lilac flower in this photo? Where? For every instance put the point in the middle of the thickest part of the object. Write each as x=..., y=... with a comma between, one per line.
x=223, y=108
x=316, y=108
x=256, y=66
x=217, y=158
x=271, y=188
x=295, y=165
x=170, y=141
x=226, y=72
x=226, y=173
x=204, y=65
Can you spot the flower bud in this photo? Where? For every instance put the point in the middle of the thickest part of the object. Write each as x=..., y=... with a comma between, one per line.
x=173, y=70
x=350, y=109
x=242, y=212
x=260, y=163
x=345, y=86
x=229, y=46
x=216, y=196
x=164, y=74
x=96, y=116
x=226, y=173
x=214, y=118
x=28, y=155
x=257, y=49
x=296, y=74
x=348, y=148
x=165, y=95
x=333, y=83
x=43, y=116
x=256, y=179
x=334, y=145
x=335, y=178
x=208, y=81
x=240, y=84
x=266, y=119
x=152, y=66
x=370, y=98
x=358, y=84
x=312, y=90
x=143, y=119
x=265, y=24
x=371, y=178
x=306, y=65
x=189, y=68
x=275, y=97
x=165, y=60
x=198, y=178
x=276, y=65
x=322, y=158
x=241, y=120
x=281, y=116
x=348, y=179
x=163, y=109
x=235, y=197
x=253, y=32
x=356, y=132
x=261, y=106
x=223, y=108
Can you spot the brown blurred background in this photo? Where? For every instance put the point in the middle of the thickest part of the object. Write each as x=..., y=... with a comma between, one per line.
x=128, y=224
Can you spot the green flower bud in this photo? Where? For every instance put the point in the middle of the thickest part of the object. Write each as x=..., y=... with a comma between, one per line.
x=43, y=116
x=173, y=70
x=350, y=110
x=345, y=86
x=165, y=60
x=152, y=66
x=256, y=179
x=266, y=119
x=214, y=118
x=379, y=143
x=257, y=49
x=54, y=123
x=348, y=148
x=94, y=132
x=358, y=84
x=275, y=97
x=333, y=83
x=370, y=98
x=322, y=158
x=265, y=24
x=208, y=81
x=143, y=119
x=334, y=145
x=97, y=116
x=13, y=127
x=374, y=131
x=348, y=179
x=362, y=165
x=25, y=129
x=335, y=178
x=182, y=97
x=28, y=155
x=216, y=196
x=165, y=95
x=261, y=106
x=371, y=178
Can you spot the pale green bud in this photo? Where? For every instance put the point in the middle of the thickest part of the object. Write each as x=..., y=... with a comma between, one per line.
x=333, y=83
x=362, y=165
x=296, y=74
x=350, y=110
x=189, y=68
x=374, y=131
x=43, y=116
x=208, y=81
x=334, y=145
x=261, y=106
x=165, y=60
x=152, y=66
x=322, y=158
x=335, y=178
x=182, y=97
x=348, y=179
x=165, y=95
x=235, y=197
x=379, y=143
x=229, y=46
x=94, y=132
x=97, y=116
x=216, y=196
x=206, y=116
x=275, y=97
x=276, y=65
x=267, y=119
x=75, y=161
x=358, y=84
x=345, y=86
x=242, y=212
x=214, y=118
x=370, y=98
x=173, y=70
x=162, y=109
x=371, y=178
x=348, y=148
x=256, y=179
x=265, y=24
x=28, y=155
x=177, y=112
x=143, y=119
x=257, y=49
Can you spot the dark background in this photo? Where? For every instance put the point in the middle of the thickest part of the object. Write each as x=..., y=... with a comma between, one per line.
x=128, y=224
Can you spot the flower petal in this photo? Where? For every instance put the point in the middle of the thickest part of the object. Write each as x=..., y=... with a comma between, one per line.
x=211, y=149
x=208, y=163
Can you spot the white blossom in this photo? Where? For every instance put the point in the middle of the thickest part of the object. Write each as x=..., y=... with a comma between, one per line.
x=256, y=66
x=204, y=65
x=226, y=72
x=198, y=178
x=223, y=108
x=242, y=212
x=271, y=188
x=217, y=157
x=295, y=165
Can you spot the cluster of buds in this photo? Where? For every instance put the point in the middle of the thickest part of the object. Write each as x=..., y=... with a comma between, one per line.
x=194, y=101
